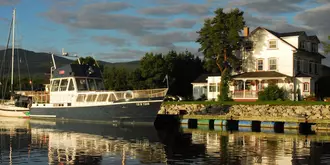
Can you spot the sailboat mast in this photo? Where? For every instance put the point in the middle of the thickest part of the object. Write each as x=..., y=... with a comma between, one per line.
x=12, y=53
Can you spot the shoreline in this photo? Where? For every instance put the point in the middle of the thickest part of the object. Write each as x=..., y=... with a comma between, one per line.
x=316, y=116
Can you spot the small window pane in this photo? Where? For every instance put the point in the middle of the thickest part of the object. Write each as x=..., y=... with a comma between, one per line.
x=71, y=86
x=91, y=84
x=260, y=65
x=272, y=44
x=81, y=84
x=272, y=64
x=55, y=85
x=64, y=84
x=99, y=84
x=212, y=87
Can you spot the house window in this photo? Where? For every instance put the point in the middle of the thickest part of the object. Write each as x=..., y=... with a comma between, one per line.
x=272, y=44
x=305, y=66
x=213, y=87
x=298, y=65
x=316, y=68
x=310, y=66
x=314, y=47
x=260, y=64
x=306, y=87
x=272, y=64
x=302, y=44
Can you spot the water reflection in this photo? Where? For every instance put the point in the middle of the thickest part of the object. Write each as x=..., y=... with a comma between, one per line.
x=26, y=141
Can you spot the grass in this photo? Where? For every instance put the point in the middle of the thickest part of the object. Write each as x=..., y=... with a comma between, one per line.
x=305, y=103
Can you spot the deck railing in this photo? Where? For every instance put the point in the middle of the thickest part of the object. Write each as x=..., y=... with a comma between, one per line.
x=120, y=95
x=245, y=94
x=101, y=96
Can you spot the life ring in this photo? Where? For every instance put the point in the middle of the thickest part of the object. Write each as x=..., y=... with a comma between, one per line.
x=129, y=92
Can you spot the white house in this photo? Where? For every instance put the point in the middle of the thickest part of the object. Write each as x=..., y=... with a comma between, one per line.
x=284, y=59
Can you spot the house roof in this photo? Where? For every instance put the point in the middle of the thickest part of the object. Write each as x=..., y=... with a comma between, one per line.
x=264, y=74
x=302, y=75
x=77, y=70
x=314, y=38
x=202, y=78
x=314, y=53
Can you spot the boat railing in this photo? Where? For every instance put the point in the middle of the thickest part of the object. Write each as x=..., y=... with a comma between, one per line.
x=37, y=96
x=112, y=96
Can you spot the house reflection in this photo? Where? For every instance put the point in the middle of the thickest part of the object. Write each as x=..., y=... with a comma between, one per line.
x=261, y=148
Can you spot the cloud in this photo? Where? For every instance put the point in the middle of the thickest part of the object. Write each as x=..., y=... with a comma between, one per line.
x=183, y=23
x=317, y=20
x=105, y=40
x=185, y=8
x=168, y=39
x=103, y=7
x=126, y=23
x=121, y=55
x=269, y=6
x=9, y=2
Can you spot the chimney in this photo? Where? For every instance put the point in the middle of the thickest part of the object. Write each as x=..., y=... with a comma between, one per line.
x=246, y=31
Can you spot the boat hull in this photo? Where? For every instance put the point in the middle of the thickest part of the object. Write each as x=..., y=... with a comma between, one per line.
x=13, y=113
x=142, y=111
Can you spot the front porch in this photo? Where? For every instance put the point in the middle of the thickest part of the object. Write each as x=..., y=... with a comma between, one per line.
x=245, y=87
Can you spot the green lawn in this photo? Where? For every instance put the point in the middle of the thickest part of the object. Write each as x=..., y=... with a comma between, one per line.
x=251, y=103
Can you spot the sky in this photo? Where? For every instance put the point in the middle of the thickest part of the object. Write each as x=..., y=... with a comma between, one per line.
x=120, y=31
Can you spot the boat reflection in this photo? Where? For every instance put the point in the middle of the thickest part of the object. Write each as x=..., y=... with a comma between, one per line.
x=87, y=143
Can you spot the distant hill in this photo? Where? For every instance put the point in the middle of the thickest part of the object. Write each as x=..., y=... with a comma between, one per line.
x=39, y=63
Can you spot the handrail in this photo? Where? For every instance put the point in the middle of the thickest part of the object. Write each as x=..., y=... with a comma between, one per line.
x=101, y=96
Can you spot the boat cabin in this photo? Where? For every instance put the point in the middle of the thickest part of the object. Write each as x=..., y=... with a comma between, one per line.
x=68, y=81
x=82, y=85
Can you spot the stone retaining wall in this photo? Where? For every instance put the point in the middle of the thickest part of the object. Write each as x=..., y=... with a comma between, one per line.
x=311, y=111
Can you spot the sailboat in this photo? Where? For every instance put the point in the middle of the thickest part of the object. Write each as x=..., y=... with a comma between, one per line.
x=18, y=105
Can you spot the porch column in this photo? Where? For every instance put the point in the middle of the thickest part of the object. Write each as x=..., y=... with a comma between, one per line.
x=244, y=80
x=259, y=84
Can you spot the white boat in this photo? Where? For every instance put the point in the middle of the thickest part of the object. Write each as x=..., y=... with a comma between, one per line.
x=17, y=106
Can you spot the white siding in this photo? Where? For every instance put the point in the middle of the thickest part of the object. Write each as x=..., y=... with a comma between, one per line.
x=293, y=40
x=283, y=53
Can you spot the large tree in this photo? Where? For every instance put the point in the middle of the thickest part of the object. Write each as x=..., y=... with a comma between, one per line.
x=218, y=38
x=326, y=46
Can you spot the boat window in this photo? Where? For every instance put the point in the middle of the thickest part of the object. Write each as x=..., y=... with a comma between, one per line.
x=64, y=84
x=91, y=84
x=71, y=86
x=81, y=84
x=55, y=85
x=99, y=84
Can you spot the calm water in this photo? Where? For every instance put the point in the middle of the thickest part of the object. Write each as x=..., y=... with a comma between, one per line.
x=35, y=142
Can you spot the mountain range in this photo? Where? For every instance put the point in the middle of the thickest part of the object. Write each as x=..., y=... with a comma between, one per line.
x=39, y=63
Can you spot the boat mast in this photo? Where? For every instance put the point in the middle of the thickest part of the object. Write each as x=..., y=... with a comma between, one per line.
x=12, y=53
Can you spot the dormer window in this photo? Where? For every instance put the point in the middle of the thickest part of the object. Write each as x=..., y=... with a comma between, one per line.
x=314, y=47
x=302, y=45
x=272, y=44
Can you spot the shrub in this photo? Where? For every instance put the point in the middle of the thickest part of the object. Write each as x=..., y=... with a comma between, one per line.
x=202, y=97
x=272, y=92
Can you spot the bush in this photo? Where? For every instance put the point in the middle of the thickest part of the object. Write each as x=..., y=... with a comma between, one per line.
x=271, y=93
x=202, y=98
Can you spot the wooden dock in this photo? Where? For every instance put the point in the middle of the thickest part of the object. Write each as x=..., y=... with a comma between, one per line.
x=255, y=123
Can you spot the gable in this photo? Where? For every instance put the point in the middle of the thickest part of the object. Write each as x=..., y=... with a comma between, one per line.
x=274, y=34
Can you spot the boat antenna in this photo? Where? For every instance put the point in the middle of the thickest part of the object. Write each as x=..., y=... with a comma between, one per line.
x=67, y=54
